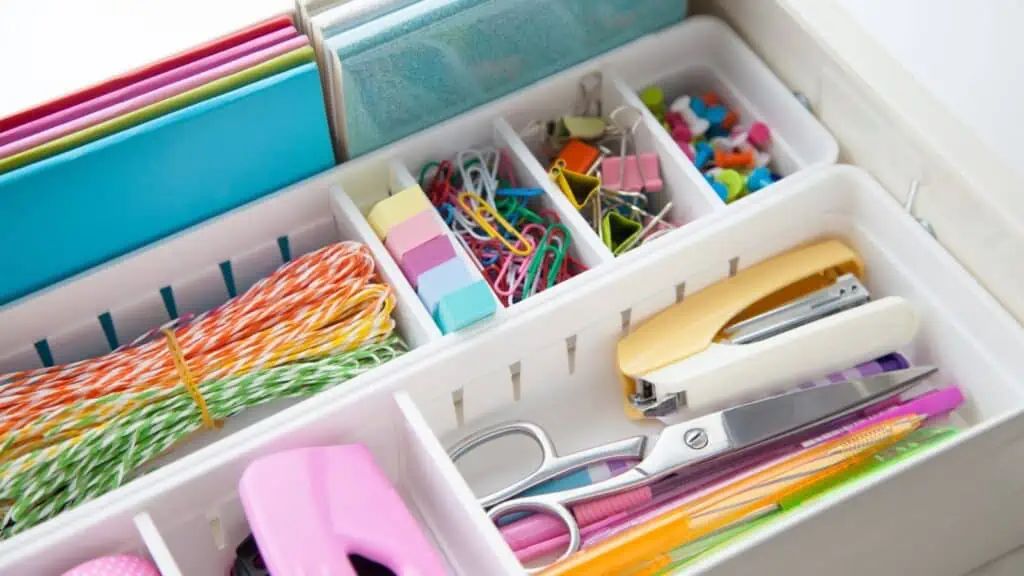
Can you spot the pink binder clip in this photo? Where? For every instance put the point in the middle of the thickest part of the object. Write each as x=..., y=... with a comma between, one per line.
x=331, y=510
x=646, y=176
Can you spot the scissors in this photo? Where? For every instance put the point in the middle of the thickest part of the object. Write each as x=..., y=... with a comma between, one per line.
x=678, y=446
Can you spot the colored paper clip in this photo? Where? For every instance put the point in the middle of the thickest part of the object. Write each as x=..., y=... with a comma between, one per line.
x=787, y=319
x=481, y=220
x=675, y=449
x=556, y=246
x=578, y=188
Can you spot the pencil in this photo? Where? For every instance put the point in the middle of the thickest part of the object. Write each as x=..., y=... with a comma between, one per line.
x=651, y=543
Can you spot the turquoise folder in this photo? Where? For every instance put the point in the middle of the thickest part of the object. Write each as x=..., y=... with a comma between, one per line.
x=425, y=63
x=76, y=210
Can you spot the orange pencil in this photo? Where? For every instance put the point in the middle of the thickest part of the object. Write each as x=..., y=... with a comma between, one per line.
x=648, y=544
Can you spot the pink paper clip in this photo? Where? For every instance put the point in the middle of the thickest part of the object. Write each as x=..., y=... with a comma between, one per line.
x=634, y=178
x=331, y=510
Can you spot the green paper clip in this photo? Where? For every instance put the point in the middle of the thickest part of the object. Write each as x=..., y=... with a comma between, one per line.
x=619, y=231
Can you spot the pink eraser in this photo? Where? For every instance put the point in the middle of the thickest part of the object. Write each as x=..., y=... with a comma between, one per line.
x=760, y=135
x=424, y=257
x=412, y=232
x=115, y=566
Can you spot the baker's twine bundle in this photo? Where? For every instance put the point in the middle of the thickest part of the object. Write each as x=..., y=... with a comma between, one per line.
x=73, y=432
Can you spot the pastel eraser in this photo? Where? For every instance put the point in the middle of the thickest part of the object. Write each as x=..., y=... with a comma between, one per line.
x=464, y=307
x=415, y=262
x=441, y=280
x=395, y=209
x=413, y=232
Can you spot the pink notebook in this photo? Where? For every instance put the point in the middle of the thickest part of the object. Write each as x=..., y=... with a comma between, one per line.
x=130, y=105
x=87, y=107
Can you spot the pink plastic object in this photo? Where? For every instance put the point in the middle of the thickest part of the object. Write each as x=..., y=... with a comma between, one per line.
x=132, y=104
x=312, y=509
x=115, y=566
x=632, y=182
x=431, y=253
x=681, y=133
x=412, y=232
x=145, y=86
x=760, y=135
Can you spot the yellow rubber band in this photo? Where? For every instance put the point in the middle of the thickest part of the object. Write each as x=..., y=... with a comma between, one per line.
x=186, y=379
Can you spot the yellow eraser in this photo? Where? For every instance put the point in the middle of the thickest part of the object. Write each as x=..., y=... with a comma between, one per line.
x=396, y=209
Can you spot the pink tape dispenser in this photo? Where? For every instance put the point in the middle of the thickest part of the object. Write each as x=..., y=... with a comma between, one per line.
x=331, y=510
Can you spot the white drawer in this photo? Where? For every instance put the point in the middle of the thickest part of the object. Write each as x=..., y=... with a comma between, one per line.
x=548, y=358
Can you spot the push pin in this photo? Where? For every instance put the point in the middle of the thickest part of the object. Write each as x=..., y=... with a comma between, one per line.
x=698, y=126
x=734, y=184
x=759, y=178
x=760, y=136
x=653, y=98
x=704, y=154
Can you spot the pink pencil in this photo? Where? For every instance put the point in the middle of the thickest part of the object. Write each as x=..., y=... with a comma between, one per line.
x=64, y=117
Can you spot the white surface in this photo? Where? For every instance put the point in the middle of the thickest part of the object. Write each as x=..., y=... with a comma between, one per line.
x=49, y=49
x=963, y=53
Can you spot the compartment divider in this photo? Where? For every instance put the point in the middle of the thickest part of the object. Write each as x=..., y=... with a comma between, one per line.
x=470, y=540
x=402, y=178
x=591, y=250
x=414, y=322
x=691, y=196
x=155, y=545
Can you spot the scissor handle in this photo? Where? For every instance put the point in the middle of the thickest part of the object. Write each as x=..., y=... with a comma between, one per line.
x=549, y=505
x=551, y=465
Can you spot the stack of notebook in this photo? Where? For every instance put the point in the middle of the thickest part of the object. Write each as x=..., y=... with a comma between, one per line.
x=98, y=173
x=395, y=67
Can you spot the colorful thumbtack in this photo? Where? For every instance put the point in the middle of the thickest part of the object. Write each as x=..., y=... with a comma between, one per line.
x=654, y=98
x=759, y=135
x=734, y=183
x=758, y=179
x=699, y=108
x=705, y=153
x=718, y=187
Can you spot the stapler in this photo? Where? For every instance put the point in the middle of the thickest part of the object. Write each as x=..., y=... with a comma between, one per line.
x=331, y=510
x=781, y=322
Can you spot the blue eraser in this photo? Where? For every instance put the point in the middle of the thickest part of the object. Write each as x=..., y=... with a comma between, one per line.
x=445, y=278
x=699, y=107
x=465, y=306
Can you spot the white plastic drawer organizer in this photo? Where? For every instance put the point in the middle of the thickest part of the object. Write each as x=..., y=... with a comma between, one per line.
x=549, y=359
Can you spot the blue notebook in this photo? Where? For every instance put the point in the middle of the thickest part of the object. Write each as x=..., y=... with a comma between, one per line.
x=78, y=209
x=425, y=63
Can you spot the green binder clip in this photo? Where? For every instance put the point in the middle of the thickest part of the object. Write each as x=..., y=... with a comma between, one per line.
x=619, y=233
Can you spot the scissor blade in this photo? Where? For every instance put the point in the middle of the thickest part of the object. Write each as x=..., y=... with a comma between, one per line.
x=771, y=418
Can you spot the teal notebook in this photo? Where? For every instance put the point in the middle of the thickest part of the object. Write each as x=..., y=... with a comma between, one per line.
x=78, y=209
x=425, y=63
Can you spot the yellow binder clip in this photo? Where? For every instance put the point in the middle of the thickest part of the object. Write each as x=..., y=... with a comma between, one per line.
x=578, y=188
x=779, y=323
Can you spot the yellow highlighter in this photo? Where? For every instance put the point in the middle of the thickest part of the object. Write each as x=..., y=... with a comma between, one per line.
x=648, y=545
x=777, y=323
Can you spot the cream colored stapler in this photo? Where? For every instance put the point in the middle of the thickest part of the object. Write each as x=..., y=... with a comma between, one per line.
x=781, y=322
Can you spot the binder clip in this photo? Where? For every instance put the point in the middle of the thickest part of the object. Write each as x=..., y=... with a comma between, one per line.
x=331, y=510
x=781, y=322
x=577, y=156
x=618, y=231
x=632, y=173
x=578, y=188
